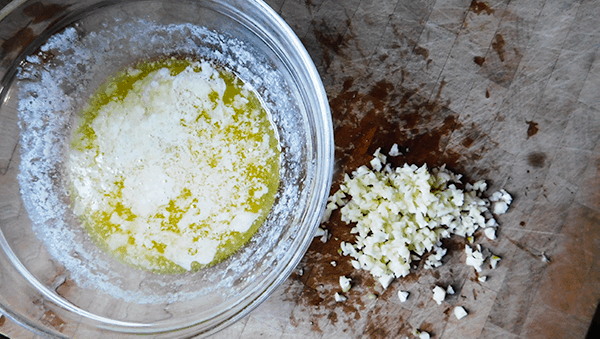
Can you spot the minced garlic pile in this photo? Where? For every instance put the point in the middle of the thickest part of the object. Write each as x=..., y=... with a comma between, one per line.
x=403, y=213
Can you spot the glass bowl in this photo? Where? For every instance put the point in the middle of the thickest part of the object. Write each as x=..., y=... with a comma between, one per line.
x=53, y=279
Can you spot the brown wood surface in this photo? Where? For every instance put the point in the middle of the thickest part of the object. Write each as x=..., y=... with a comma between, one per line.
x=501, y=90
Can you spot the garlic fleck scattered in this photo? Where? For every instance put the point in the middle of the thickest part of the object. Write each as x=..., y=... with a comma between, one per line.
x=490, y=233
x=501, y=200
x=460, y=312
x=544, y=257
x=439, y=294
x=403, y=296
x=345, y=284
x=494, y=259
x=421, y=334
x=385, y=280
x=339, y=298
x=474, y=258
x=394, y=152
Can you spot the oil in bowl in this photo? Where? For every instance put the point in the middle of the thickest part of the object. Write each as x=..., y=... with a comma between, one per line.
x=174, y=165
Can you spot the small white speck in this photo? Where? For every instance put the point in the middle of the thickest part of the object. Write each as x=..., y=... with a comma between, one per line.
x=403, y=295
x=460, y=312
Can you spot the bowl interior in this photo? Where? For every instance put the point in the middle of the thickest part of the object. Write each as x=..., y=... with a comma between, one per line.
x=46, y=249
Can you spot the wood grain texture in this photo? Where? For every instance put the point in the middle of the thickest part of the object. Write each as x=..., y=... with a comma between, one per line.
x=457, y=82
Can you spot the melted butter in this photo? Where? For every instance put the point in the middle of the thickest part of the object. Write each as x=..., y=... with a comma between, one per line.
x=174, y=165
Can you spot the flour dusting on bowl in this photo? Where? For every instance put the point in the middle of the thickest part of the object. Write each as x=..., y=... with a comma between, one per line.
x=56, y=84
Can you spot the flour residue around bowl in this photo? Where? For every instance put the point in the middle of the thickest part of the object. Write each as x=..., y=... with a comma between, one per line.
x=56, y=83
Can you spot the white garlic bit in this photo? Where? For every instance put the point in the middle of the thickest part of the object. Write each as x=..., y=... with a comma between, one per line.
x=403, y=296
x=460, y=312
x=501, y=200
x=490, y=233
x=385, y=280
x=394, y=152
x=494, y=259
x=474, y=258
x=345, y=283
x=439, y=294
x=339, y=298
x=421, y=334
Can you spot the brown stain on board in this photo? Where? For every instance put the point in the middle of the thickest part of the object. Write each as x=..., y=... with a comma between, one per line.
x=50, y=318
x=533, y=129
x=479, y=7
x=18, y=41
x=383, y=125
x=427, y=327
x=479, y=60
x=501, y=66
x=498, y=46
x=468, y=142
x=40, y=12
x=536, y=159
x=383, y=323
x=422, y=52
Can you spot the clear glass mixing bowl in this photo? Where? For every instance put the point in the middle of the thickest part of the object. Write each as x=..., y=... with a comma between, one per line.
x=53, y=279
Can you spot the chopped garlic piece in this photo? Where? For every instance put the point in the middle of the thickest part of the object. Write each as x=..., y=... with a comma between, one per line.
x=449, y=290
x=403, y=296
x=386, y=280
x=345, y=284
x=439, y=294
x=435, y=259
x=494, y=259
x=474, y=258
x=490, y=233
x=491, y=223
x=544, y=257
x=501, y=200
x=482, y=278
x=333, y=263
x=394, y=152
x=325, y=236
x=500, y=207
x=480, y=186
x=320, y=232
x=323, y=233
x=460, y=312
x=421, y=334
x=339, y=298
